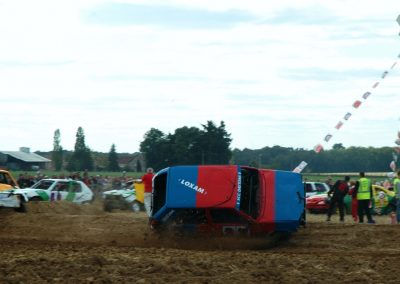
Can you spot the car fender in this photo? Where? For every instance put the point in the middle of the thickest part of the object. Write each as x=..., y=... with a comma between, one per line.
x=21, y=193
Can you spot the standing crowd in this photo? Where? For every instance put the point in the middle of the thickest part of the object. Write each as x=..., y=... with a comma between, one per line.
x=362, y=198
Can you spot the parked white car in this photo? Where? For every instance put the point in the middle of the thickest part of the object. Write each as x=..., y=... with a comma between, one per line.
x=316, y=188
x=59, y=189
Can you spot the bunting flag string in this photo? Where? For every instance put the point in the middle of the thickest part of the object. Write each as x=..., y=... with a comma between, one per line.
x=319, y=147
x=356, y=105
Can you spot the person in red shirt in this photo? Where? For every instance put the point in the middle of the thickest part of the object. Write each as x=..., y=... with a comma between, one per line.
x=147, y=180
x=338, y=192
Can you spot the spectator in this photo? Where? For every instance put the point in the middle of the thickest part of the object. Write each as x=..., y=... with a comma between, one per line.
x=329, y=182
x=338, y=192
x=147, y=179
x=354, y=201
x=364, y=197
x=396, y=187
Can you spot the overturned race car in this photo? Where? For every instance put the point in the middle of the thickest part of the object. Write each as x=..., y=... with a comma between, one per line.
x=227, y=200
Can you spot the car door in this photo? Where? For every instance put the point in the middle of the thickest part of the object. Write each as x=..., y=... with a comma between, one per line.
x=59, y=190
x=321, y=188
x=310, y=190
x=81, y=193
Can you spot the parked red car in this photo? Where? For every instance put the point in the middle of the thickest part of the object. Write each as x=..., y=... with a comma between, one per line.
x=317, y=203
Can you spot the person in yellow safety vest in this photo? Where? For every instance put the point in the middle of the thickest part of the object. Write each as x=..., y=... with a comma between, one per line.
x=364, y=197
x=396, y=188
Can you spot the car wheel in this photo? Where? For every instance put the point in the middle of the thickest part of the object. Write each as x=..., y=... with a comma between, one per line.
x=35, y=198
x=22, y=207
x=107, y=206
x=136, y=206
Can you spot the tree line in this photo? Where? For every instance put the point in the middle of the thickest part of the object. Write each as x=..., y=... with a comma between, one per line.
x=338, y=159
x=211, y=144
x=81, y=158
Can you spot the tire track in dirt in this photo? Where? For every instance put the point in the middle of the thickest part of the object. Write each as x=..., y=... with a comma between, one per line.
x=67, y=243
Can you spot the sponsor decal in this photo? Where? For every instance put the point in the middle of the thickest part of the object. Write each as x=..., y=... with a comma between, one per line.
x=239, y=188
x=193, y=186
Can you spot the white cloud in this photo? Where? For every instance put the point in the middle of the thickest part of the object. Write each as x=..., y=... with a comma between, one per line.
x=283, y=82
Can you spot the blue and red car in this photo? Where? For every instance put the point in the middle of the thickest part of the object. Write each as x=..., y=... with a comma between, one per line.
x=227, y=200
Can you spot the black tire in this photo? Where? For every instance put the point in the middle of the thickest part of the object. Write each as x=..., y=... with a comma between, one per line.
x=35, y=199
x=107, y=206
x=136, y=206
x=303, y=220
x=22, y=207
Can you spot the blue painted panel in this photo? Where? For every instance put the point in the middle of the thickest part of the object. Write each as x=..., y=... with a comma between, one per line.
x=290, y=226
x=180, y=192
x=288, y=205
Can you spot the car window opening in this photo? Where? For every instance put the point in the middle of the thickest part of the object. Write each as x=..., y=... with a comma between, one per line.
x=43, y=184
x=249, y=199
x=159, y=192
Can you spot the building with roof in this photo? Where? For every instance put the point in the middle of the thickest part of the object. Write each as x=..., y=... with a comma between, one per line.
x=23, y=159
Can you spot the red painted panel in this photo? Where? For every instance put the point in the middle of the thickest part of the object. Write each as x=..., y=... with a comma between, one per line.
x=218, y=186
x=269, y=196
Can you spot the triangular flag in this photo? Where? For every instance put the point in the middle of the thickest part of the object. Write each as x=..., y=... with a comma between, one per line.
x=318, y=148
x=347, y=116
x=366, y=95
x=339, y=125
x=356, y=104
x=328, y=137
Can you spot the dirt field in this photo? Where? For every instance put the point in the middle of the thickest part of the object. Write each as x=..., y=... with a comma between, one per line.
x=69, y=243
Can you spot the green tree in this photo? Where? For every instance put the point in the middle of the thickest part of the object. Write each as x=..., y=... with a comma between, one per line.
x=214, y=143
x=57, y=153
x=81, y=159
x=113, y=165
x=187, y=146
x=156, y=149
x=338, y=146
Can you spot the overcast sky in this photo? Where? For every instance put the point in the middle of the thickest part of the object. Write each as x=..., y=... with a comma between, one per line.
x=276, y=72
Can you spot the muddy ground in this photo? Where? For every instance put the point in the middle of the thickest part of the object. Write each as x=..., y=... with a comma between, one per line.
x=67, y=243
